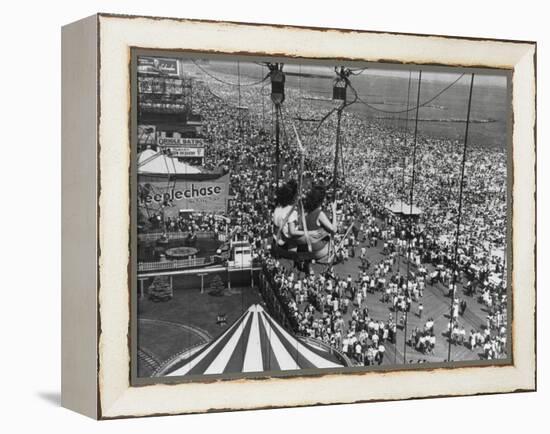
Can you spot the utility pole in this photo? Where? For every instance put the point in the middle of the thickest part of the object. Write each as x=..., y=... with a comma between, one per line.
x=339, y=92
x=277, y=145
x=337, y=150
x=277, y=97
x=462, y=167
x=411, y=198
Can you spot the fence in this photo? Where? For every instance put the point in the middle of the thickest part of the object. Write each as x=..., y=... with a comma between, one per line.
x=278, y=308
x=275, y=302
x=175, y=265
x=154, y=236
x=326, y=347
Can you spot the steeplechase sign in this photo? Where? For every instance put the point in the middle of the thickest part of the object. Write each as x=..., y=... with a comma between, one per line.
x=205, y=195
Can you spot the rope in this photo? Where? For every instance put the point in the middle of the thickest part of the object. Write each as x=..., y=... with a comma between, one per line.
x=459, y=217
x=410, y=214
x=333, y=249
x=300, y=88
x=341, y=107
x=404, y=162
x=339, y=246
x=254, y=83
x=239, y=80
x=358, y=71
x=148, y=160
x=300, y=186
x=418, y=104
x=304, y=224
x=342, y=161
x=285, y=135
x=298, y=201
x=263, y=106
x=167, y=174
x=239, y=98
x=227, y=103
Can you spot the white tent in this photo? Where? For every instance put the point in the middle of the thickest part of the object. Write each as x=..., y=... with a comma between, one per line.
x=151, y=162
x=255, y=343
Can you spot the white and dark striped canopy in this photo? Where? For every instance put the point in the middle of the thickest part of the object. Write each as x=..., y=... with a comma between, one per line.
x=254, y=343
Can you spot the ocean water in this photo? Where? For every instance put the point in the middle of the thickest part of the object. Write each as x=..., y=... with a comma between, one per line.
x=389, y=90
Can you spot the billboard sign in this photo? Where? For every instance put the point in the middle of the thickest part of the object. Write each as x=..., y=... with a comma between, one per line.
x=181, y=141
x=158, y=65
x=187, y=152
x=200, y=195
x=183, y=147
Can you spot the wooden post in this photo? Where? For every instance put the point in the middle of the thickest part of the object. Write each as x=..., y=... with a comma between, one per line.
x=171, y=285
x=228, y=279
x=202, y=280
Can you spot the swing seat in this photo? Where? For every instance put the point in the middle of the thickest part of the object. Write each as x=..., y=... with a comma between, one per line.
x=315, y=237
x=318, y=256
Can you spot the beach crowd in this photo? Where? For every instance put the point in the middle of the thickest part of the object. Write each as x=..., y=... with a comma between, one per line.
x=376, y=168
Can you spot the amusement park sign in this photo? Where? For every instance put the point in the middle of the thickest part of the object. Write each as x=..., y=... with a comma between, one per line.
x=183, y=146
x=158, y=65
x=181, y=141
x=187, y=152
x=200, y=195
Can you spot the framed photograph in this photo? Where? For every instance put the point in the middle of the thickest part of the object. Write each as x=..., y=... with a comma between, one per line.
x=260, y=216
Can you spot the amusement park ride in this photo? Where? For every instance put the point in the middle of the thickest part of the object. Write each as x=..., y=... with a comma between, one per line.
x=238, y=254
x=340, y=85
x=234, y=254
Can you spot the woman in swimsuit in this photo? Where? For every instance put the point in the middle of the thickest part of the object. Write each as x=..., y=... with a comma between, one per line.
x=319, y=226
x=285, y=217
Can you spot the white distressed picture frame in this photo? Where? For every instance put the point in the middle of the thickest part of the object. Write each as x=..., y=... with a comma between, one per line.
x=96, y=216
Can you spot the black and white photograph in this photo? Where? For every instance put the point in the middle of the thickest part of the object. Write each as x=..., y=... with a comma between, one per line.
x=299, y=217
x=258, y=215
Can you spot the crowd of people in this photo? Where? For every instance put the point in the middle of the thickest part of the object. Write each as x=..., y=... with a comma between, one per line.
x=375, y=171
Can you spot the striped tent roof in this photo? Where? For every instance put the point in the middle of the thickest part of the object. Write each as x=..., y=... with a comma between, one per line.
x=254, y=343
x=153, y=162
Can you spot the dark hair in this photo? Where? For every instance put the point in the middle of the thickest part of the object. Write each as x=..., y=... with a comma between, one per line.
x=286, y=193
x=314, y=198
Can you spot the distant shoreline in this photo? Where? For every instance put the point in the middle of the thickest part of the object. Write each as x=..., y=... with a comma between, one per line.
x=472, y=121
x=489, y=138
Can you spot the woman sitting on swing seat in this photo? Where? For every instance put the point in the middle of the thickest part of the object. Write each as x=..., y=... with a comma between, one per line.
x=318, y=226
x=285, y=218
